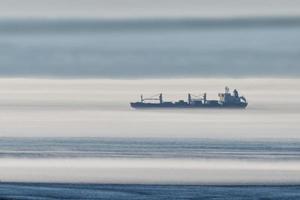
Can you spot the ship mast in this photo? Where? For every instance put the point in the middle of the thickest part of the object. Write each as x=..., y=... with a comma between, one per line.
x=226, y=90
x=189, y=98
x=160, y=98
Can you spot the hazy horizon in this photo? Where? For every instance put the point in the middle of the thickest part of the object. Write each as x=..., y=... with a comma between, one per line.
x=258, y=47
x=100, y=108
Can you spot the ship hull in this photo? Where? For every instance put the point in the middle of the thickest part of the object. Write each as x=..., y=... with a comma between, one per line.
x=139, y=105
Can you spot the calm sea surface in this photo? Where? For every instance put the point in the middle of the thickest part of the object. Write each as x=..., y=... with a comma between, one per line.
x=159, y=48
x=34, y=149
x=20, y=191
x=192, y=148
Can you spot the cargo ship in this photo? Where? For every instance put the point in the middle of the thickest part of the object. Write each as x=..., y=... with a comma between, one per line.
x=226, y=100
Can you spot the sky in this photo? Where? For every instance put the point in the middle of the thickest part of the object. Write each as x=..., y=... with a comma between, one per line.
x=146, y=8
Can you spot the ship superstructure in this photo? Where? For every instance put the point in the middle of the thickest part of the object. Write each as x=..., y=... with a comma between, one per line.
x=226, y=100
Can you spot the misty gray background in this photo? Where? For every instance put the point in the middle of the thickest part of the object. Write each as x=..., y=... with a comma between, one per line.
x=143, y=38
x=108, y=9
x=150, y=48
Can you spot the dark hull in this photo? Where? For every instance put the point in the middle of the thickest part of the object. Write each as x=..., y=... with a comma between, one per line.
x=139, y=105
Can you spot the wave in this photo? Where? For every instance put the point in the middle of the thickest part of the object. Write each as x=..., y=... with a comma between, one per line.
x=50, y=191
x=156, y=148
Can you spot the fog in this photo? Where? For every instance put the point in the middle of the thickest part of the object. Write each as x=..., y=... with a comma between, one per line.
x=153, y=171
x=145, y=8
x=100, y=108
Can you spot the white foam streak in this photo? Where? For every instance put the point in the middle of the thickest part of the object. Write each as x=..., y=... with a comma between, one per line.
x=150, y=163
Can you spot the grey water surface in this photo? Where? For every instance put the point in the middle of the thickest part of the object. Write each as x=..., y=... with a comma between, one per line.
x=151, y=48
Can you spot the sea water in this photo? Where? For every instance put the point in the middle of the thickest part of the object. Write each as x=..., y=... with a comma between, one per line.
x=67, y=129
x=150, y=48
